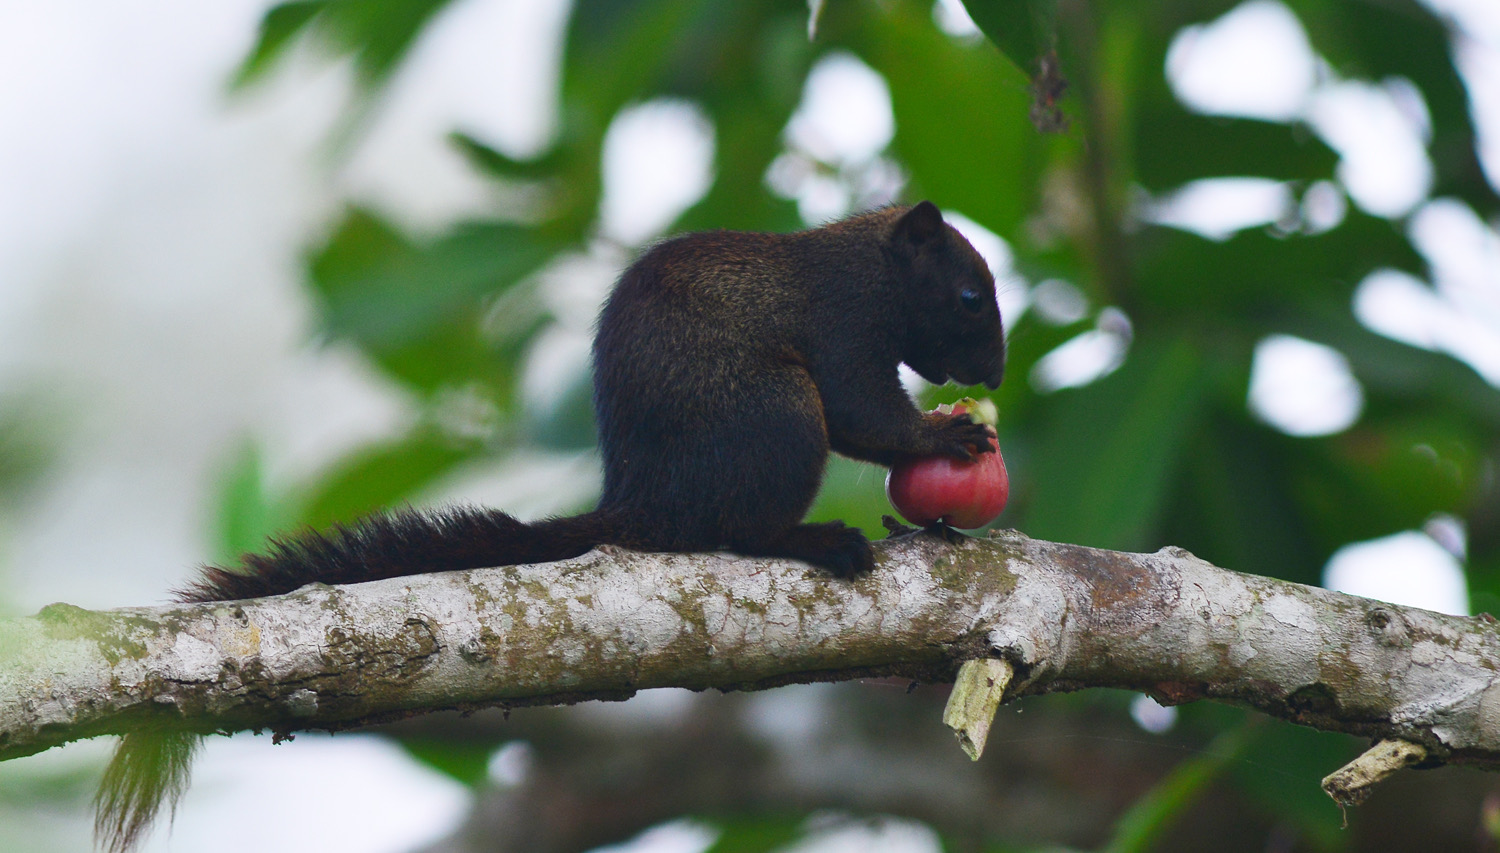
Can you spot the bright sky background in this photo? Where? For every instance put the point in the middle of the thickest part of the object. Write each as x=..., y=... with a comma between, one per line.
x=151, y=234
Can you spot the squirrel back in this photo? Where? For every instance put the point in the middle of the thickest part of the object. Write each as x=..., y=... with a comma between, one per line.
x=726, y=366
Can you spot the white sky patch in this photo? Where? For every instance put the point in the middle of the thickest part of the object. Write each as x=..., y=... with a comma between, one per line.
x=1059, y=302
x=349, y=794
x=1480, y=18
x=1450, y=532
x=824, y=193
x=1152, y=716
x=1464, y=255
x=912, y=381
x=1406, y=568
x=489, y=69
x=789, y=718
x=1479, y=63
x=1323, y=207
x=658, y=161
x=102, y=103
x=558, y=358
x=823, y=198
x=1406, y=309
x=1255, y=62
x=1086, y=358
x=510, y=764
x=678, y=836
x=1217, y=208
x=659, y=707
x=953, y=19
x=1401, y=306
x=880, y=835
x=1303, y=388
x=520, y=47
x=1477, y=55
x=833, y=163
x=1381, y=136
x=845, y=116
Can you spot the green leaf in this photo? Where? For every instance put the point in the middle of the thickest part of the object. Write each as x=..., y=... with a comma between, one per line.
x=362, y=244
x=1109, y=451
x=419, y=311
x=406, y=294
x=247, y=515
x=960, y=111
x=491, y=161
x=1187, y=276
x=621, y=51
x=382, y=476
x=1174, y=146
x=854, y=493
x=756, y=834
x=1022, y=29
x=747, y=72
x=1152, y=815
x=569, y=424
x=29, y=442
x=1233, y=502
x=1283, y=774
x=377, y=34
x=1377, y=479
x=464, y=760
x=277, y=28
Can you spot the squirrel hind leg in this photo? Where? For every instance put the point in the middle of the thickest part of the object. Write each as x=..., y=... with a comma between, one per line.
x=832, y=546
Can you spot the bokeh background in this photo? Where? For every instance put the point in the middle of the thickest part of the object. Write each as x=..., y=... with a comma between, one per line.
x=268, y=266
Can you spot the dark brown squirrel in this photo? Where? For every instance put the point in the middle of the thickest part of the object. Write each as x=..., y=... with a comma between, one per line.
x=726, y=366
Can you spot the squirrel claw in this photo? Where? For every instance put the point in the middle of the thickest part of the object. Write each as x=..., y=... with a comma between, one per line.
x=894, y=527
x=946, y=533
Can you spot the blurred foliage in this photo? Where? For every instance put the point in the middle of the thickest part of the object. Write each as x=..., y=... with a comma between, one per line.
x=28, y=443
x=1143, y=824
x=1162, y=451
x=756, y=834
x=30, y=436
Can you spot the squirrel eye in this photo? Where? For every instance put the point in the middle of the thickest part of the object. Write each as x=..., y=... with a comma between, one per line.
x=970, y=299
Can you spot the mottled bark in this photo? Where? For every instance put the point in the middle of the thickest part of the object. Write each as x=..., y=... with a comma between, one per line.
x=612, y=622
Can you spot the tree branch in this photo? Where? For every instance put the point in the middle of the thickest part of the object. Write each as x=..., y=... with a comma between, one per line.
x=612, y=622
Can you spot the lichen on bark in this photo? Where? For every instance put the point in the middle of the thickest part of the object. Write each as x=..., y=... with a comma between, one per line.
x=612, y=622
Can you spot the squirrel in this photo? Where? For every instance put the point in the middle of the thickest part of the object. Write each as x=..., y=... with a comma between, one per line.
x=726, y=366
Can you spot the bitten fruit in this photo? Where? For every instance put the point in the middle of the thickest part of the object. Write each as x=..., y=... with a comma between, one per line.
x=928, y=489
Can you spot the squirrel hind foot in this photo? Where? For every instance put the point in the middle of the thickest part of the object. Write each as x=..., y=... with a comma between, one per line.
x=834, y=547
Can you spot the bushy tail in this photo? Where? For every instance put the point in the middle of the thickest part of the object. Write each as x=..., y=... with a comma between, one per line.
x=404, y=542
x=150, y=768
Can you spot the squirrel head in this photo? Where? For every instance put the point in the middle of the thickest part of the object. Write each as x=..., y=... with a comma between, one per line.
x=954, y=329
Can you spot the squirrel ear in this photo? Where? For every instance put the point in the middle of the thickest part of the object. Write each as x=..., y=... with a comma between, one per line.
x=922, y=224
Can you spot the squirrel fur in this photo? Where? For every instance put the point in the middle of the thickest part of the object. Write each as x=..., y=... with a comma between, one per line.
x=726, y=366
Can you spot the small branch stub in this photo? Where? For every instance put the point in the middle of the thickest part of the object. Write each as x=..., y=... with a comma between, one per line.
x=976, y=695
x=1351, y=784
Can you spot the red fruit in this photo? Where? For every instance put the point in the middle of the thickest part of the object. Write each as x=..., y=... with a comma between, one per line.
x=969, y=494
